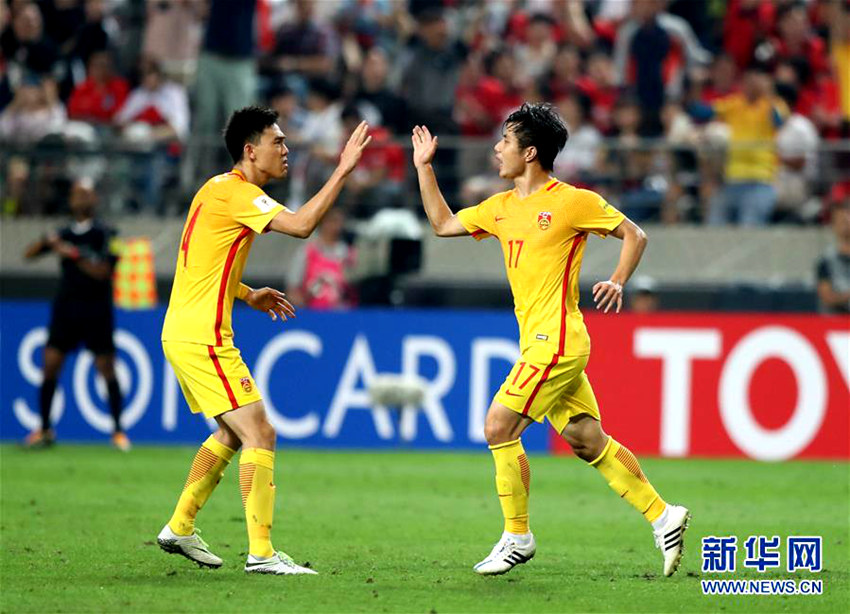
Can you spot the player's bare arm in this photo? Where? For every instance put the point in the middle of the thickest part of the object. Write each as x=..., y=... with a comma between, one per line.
x=443, y=221
x=36, y=249
x=268, y=300
x=608, y=294
x=303, y=222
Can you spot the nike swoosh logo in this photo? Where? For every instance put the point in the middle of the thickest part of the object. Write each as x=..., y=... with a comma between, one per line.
x=511, y=394
x=499, y=219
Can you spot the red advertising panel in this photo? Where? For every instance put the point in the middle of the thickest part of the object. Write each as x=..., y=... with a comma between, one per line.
x=760, y=386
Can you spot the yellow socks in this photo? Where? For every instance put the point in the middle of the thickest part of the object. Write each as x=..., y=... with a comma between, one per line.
x=624, y=475
x=206, y=472
x=256, y=480
x=513, y=477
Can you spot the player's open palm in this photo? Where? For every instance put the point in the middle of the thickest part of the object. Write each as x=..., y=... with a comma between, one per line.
x=353, y=149
x=424, y=146
x=272, y=301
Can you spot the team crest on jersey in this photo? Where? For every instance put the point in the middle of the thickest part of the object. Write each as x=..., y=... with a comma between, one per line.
x=246, y=384
x=544, y=219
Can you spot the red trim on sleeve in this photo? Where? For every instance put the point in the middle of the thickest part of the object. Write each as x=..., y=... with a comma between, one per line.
x=478, y=233
x=565, y=287
x=232, y=397
x=225, y=275
x=539, y=384
x=185, y=246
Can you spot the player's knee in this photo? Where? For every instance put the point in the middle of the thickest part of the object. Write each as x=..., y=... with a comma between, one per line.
x=496, y=432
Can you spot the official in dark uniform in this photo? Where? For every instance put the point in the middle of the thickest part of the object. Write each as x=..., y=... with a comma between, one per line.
x=82, y=310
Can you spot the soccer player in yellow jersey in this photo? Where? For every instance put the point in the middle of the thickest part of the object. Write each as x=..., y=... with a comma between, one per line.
x=542, y=225
x=225, y=216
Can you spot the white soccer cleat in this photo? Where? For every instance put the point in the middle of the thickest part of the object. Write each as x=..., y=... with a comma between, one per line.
x=191, y=546
x=507, y=554
x=670, y=537
x=281, y=564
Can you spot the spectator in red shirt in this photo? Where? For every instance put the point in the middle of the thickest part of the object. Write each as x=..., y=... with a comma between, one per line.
x=378, y=180
x=818, y=99
x=600, y=86
x=318, y=277
x=796, y=41
x=98, y=98
x=747, y=22
x=563, y=79
x=483, y=103
x=722, y=79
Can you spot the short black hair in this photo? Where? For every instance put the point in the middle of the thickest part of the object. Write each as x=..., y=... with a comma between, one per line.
x=539, y=125
x=323, y=88
x=788, y=93
x=786, y=9
x=351, y=111
x=541, y=18
x=245, y=126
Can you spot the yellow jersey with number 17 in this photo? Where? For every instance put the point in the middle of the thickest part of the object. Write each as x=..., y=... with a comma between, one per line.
x=225, y=216
x=543, y=237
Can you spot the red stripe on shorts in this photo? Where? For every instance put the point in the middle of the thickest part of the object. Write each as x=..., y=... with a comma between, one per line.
x=233, y=403
x=539, y=384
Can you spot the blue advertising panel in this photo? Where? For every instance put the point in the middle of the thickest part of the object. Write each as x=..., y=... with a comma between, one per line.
x=314, y=373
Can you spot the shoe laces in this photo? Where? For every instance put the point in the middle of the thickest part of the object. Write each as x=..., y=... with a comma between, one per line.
x=201, y=539
x=285, y=557
x=501, y=546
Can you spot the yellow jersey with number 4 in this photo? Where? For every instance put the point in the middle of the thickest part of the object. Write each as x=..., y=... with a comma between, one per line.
x=543, y=237
x=225, y=216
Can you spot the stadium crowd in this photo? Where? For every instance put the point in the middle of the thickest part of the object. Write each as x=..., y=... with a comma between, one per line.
x=679, y=111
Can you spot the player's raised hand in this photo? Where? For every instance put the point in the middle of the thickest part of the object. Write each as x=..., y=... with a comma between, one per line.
x=272, y=301
x=607, y=294
x=424, y=146
x=353, y=150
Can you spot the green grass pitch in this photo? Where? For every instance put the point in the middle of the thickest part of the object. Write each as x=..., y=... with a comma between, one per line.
x=397, y=532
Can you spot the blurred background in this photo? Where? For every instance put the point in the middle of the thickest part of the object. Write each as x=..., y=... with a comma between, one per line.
x=720, y=126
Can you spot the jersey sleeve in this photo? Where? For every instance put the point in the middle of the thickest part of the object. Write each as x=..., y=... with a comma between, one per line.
x=589, y=212
x=479, y=220
x=251, y=207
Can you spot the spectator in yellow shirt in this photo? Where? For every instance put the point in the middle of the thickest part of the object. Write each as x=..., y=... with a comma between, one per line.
x=754, y=116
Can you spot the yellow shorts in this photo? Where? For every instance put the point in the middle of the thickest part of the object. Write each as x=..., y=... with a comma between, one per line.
x=214, y=380
x=545, y=385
